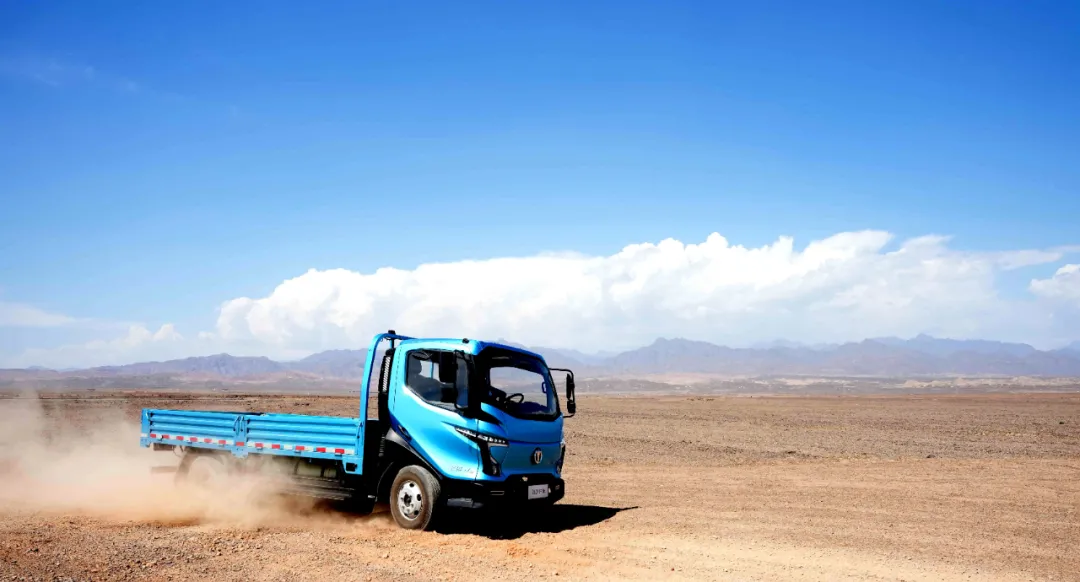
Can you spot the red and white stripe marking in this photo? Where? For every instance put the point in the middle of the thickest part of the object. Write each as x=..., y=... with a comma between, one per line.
x=193, y=439
x=254, y=444
x=302, y=448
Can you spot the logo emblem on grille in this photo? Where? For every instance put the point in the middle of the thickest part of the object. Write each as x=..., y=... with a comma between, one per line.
x=537, y=456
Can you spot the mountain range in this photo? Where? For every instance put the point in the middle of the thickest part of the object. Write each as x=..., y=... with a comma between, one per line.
x=922, y=355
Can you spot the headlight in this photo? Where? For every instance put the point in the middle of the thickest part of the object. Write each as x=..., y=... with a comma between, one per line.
x=562, y=457
x=481, y=437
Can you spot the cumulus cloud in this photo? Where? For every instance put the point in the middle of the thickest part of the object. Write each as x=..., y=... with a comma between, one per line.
x=1065, y=284
x=846, y=286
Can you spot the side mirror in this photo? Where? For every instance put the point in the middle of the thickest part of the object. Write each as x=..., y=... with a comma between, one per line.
x=571, y=405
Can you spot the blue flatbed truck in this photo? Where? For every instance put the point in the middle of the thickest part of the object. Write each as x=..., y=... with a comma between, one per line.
x=459, y=423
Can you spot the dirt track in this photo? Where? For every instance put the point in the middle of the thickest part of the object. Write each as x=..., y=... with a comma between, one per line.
x=863, y=488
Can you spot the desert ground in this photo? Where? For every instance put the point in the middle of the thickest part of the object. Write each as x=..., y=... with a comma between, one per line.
x=899, y=487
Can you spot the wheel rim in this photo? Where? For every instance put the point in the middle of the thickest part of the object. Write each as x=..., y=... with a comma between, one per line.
x=410, y=500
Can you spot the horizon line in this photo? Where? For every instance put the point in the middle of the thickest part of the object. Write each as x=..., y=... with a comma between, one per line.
x=761, y=346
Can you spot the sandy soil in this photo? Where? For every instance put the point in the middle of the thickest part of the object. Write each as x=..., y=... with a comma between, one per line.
x=719, y=488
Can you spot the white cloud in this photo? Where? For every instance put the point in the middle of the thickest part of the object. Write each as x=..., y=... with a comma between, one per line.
x=1016, y=259
x=138, y=344
x=846, y=286
x=1065, y=284
x=22, y=315
x=15, y=314
x=167, y=332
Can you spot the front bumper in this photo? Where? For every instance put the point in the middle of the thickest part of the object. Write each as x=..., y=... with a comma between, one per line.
x=514, y=490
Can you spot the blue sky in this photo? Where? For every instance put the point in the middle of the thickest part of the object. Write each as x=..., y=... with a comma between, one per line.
x=160, y=160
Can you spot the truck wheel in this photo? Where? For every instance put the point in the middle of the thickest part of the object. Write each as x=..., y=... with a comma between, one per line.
x=414, y=498
x=202, y=470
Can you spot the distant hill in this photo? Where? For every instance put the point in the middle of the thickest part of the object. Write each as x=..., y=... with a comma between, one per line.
x=574, y=357
x=332, y=364
x=219, y=365
x=556, y=358
x=919, y=356
x=947, y=347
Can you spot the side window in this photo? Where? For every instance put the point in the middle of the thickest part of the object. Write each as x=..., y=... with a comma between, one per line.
x=434, y=375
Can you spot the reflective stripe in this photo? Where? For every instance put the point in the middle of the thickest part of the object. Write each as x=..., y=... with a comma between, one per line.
x=192, y=439
x=254, y=445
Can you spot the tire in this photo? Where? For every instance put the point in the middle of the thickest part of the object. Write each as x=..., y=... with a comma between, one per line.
x=201, y=470
x=414, y=498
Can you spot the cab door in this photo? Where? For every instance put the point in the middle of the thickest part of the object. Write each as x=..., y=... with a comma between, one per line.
x=425, y=411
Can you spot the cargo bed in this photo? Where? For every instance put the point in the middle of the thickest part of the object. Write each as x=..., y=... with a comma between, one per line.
x=242, y=433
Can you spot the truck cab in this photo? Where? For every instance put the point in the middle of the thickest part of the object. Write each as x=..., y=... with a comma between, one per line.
x=483, y=419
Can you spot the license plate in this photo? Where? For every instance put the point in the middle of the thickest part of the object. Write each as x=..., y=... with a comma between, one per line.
x=538, y=491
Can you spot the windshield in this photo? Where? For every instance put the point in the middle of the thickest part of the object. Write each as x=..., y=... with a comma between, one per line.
x=517, y=384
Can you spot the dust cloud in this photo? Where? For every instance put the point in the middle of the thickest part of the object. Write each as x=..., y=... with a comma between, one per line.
x=49, y=466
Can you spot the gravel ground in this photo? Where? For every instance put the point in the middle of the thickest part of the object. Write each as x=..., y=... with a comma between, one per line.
x=972, y=487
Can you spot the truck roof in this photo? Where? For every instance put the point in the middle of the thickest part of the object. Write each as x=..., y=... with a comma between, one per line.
x=469, y=345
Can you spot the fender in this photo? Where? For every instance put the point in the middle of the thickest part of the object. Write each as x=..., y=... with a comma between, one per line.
x=399, y=453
